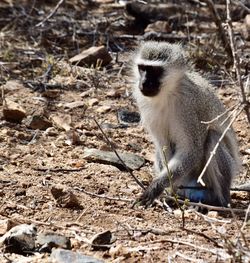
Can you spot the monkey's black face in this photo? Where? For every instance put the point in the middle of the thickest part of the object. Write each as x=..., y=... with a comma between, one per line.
x=150, y=79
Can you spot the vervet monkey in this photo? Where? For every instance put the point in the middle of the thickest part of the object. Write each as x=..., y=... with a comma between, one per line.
x=174, y=101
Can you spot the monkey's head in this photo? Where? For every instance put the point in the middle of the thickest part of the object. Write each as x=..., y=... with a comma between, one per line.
x=156, y=61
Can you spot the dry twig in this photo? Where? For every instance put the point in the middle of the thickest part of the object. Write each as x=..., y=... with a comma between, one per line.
x=200, y=180
x=50, y=14
x=118, y=156
x=236, y=2
x=209, y=207
x=218, y=22
x=236, y=61
x=103, y=196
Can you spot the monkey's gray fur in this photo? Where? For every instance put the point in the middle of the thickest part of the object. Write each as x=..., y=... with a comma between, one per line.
x=173, y=101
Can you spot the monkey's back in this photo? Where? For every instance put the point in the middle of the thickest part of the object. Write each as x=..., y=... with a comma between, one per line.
x=208, y=107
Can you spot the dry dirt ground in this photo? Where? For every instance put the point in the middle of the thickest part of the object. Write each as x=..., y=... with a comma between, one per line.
x=32, y=161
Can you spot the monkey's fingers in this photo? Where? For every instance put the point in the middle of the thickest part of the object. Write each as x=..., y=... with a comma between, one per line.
x=145, y=200
x=148, y=197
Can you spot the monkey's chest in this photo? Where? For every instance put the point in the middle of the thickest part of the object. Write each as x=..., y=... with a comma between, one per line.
x=162, y=126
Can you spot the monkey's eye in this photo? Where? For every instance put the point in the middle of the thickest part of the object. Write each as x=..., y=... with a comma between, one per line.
x=142, y=68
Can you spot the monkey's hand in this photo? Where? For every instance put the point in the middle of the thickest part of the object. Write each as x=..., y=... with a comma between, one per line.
x=154, y=190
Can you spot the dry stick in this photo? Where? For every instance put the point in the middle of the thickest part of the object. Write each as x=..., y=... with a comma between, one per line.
x=233, y=248
x=50, y=14
x=239, y=229
x=246, y=218
x=118, y=156
x=218, y=22
x=236, y=61
x=182, y=242
x=202, y=235
x=184, y=256
x=221, y=115
x=209, y=207
x=230, y=114
x=211, y=220
x=212, y=154
x=103, y=196
x=242, y=5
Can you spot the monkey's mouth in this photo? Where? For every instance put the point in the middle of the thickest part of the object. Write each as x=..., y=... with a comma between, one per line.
x=150, y=89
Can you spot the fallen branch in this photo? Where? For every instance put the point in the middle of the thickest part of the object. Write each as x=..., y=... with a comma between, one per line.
x=103, y=196
x=57, y=170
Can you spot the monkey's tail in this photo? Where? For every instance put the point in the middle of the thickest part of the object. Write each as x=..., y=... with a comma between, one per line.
x=221, y=169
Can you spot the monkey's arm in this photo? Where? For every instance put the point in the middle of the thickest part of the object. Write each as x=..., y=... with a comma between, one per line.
x=180, y=165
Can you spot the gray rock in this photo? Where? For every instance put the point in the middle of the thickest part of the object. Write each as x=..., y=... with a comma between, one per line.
x=91, y=56
x=132, y=161
x=128, y=117
x=20, y=239
x=243, y=187
x=46, y=241
x=65, y=256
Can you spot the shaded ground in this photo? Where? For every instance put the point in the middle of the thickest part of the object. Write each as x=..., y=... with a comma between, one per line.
x=33, y=160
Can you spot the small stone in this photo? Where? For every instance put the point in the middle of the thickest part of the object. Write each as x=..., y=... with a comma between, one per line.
x=73, y=138
x=65, y=198
x=178, y=213
x=6, y=225
x=51, y=93
x=93, y=102
x=91, y=56
x=119, y=250
x=158, y=26
x=75, y=104
x=20, y=192
x=212, y=214
x=127, y=117
x=65, y=256
x=102, y=240
x=132, y=161
x=12, y=86
x=13, y=112
x=103, y=109
x=114, y=93
x=51, y=131
x=62, y=122
x=38, y=122
x=46, y=241
x=19, y=239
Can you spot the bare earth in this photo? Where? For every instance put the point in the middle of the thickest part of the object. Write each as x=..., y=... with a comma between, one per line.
x=32, y=161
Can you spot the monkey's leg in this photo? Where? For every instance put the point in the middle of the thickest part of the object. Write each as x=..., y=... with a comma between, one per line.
x=220, y=172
